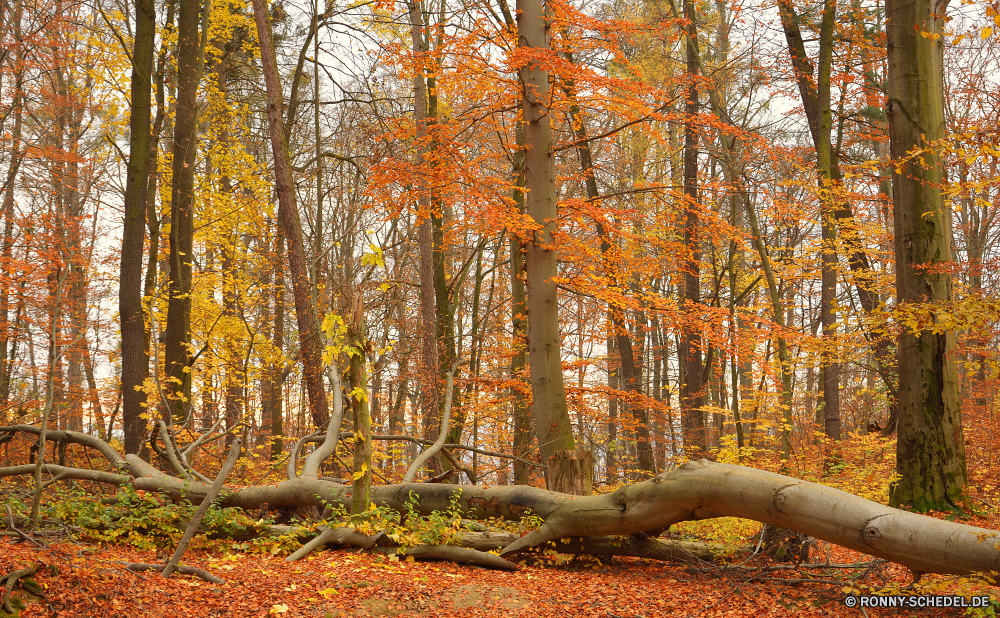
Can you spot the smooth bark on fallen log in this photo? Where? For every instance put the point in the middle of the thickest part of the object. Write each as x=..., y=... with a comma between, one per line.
x=452, y=553
x=696, y=490
x=183, y=570
x=79, y=474
x=331, y=536
x=75, y=437
x=704, y=489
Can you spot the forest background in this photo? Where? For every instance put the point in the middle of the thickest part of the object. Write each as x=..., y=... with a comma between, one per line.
x=724, y=251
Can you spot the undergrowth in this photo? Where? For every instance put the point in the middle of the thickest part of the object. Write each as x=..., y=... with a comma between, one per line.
x=145, y=520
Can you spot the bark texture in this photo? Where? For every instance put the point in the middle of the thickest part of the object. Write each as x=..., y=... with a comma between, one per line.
x=135, y=361
x=692, y=396
x=177, y=357
x=552, y=425
x=930, y=451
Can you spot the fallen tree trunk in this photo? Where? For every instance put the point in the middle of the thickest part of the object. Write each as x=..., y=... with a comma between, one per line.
x=696, y=490
x=182, y=569
x=684, y=552
x=451, y=553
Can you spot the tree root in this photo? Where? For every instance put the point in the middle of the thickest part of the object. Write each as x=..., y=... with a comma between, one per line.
x=13, y=531
x=183, y=570
x=452, y=553
x=10, y=580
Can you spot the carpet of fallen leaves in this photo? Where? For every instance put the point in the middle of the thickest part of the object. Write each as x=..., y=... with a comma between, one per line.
x=89, y=580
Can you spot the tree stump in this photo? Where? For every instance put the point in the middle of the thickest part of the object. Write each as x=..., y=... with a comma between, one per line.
x=571, y=472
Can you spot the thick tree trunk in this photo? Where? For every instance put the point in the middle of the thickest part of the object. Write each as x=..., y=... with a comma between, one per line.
x=930, y=451
x=135, y=362
x=552, y=425
x=305, y=310
x=572, y=472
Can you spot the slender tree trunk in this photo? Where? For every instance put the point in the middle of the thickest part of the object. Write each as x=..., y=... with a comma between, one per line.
x=305, y=310
x=839, y=210
x=692, y=396
x=235, y=379
x=430, y=396
x=552, y=424
x=135, y=361
x=76, y=297
x=276, y=372
x=523, y=421
x=177, y=353
x=612, y=460
x=784, y=358
x=95, y=400
x=735, y=262
x=8, y=328
x=828, y=296
x=629, y=374
x=361, y=412
x=443, y=320
x=930, y=449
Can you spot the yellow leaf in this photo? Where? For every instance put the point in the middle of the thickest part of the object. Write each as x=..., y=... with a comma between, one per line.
x=985, y=34
x=329, y=592
x=279, y=608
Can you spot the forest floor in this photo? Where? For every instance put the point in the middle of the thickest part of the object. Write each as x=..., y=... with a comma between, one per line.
x=83, y=580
